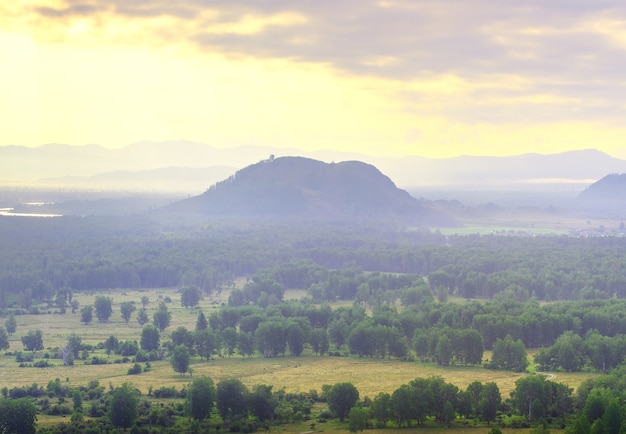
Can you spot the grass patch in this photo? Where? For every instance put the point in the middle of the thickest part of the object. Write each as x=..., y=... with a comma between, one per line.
x=294, y=374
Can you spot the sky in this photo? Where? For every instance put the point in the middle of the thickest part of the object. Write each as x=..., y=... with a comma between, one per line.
x=436, y=78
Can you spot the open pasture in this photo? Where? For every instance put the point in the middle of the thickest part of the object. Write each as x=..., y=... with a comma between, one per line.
x=294, y=374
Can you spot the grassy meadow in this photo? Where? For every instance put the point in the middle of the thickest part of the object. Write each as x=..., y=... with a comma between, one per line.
x=294, y=374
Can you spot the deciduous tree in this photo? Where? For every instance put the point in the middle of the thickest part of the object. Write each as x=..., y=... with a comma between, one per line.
x=104, y=307
x=33, y=341
x=127, y=308
x=341, y=398
x=200, y=397
x=123, y=406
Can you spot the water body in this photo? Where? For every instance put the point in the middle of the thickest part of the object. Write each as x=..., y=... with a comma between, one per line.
x=11, y=212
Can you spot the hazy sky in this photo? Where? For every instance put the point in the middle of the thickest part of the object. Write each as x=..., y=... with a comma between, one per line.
x=426, y=77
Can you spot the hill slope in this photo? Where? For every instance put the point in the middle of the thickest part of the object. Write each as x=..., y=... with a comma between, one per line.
x=302, y=187
x=607, y=193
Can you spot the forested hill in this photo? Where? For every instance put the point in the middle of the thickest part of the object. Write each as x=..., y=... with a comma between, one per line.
x=608, y=192
x=303, y=187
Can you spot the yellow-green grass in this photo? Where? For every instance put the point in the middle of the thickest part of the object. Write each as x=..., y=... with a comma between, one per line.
x=294, y=374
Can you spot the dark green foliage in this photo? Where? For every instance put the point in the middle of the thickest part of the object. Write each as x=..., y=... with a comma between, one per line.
x=111, y=345
x=77, y=399
x=357, y=419
x=319, y=341
x=74, y=344
x=123, y=406
x=150, y=338
x=86, y=314
x=4, y=339
x=33, y=340
x=135, y=370
x=104, y=307
x=127, y=308
x=142, y=316
x=489, y=401
x=206, y=343
x=190, y=296
x=201, y=322
x=381, y=408
x=341, y=398
x=11, y=324
x=162, y=317
x=182, y=336
x=200, y=397
x=271, y=339
x=509, y=354
x=18, y=416
x=180, y=359
x=262, y=402
x=232, y=399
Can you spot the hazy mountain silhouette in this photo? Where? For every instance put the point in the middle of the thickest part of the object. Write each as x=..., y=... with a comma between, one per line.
x=607, y=193
x=303, y=187
x=20, y=164
x=165, y=179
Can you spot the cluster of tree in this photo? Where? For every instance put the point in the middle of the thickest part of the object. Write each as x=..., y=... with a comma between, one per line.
x=233, y=406
x=572, y=352
x=95, y=253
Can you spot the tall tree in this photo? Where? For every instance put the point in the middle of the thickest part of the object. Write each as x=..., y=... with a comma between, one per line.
x=104, y=307
x=123, y=406
x=190, y=296
x=18, y=416
x=180, y=359
x=357, y=419
x=127, y=308
x=341, y=398
x=262, y=402
x=201, y=322
x=490, y=401
x=86, y=314
x=111, y=344
x=381, y=408
x=200, y=398
x=162, y=317
x=33, y=340
x=232, y=399
x=142, y=316
x=11, y=324
x=207, y=343
x=4, y=339
x=150, y=338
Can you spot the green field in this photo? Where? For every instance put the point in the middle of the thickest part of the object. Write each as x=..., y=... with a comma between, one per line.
x=294, y=374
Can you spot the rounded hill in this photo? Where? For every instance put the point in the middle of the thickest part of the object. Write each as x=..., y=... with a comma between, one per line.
x=301, y=187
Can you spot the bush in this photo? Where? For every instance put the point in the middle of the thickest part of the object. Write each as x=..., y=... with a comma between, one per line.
x=324, y=415
x=20, y=357
x=142, y=356
x=42, y=364
x=135, y=370
x=165, y=392
x=59, y=410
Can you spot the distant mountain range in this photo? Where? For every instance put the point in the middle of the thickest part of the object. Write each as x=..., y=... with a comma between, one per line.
x=300, y=187
x=192, y=167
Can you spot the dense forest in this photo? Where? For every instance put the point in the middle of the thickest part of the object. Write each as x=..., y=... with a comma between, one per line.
x=411, y=296
x=38, y=258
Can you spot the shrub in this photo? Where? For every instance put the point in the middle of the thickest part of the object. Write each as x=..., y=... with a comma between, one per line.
x=42, y=364
x=165, y=392
x=135, y=370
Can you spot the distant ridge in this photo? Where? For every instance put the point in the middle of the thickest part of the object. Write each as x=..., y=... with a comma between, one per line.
x=73, y=164
x=306, y=188
x=607, y=193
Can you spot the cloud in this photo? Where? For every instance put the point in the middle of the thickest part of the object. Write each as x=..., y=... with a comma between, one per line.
x=475, y=61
